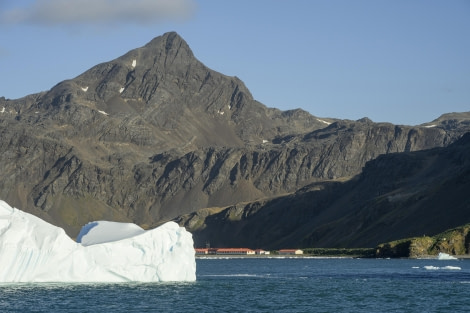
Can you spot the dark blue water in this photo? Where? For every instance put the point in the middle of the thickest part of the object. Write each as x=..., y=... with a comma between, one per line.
x=267, y=285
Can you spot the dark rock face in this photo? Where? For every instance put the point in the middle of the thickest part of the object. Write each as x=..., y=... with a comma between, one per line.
x=399, y=195
x=155, y=134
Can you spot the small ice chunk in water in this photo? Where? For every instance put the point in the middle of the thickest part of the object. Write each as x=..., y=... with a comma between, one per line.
x=445, y=256
x=434, y=268
x=431, y=267
x=456, y=268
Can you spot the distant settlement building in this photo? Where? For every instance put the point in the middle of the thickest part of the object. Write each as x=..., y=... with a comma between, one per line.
x=200, y=251
x=244, y=251
x=261, y=251
x=225, y=251
x=235, y=251
x=290, y=251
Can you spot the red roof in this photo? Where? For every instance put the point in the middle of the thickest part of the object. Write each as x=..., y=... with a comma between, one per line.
x=233, y=249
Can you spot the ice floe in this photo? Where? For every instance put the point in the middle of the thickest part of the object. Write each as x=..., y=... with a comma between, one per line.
x=435, y=268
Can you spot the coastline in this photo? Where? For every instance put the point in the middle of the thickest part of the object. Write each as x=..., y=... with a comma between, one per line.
x=304, y=256
x=311, y=256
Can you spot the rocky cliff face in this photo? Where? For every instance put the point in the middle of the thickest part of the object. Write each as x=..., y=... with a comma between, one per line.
x=399, y=195
x=155, y=134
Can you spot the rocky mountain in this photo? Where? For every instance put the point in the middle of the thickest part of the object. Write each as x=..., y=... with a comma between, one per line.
x=397, y=195
x=155, y=134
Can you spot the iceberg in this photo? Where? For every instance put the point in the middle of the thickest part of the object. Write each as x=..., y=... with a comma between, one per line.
x=32, y=250
x=103, y=231
x=445, y=256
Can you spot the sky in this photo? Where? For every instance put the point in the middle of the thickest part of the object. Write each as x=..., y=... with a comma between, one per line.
x=403, y=61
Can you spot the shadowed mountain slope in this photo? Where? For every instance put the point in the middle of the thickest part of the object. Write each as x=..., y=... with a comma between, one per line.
x=396, y=196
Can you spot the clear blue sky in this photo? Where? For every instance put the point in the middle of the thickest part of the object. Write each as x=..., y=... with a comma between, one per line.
x=403, y=61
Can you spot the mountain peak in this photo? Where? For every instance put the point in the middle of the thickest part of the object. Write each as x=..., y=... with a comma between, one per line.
x=137, y=75
x=169, y=42
x=166, y=37
x=165, y=88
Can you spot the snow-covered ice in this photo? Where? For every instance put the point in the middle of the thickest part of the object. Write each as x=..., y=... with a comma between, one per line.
x=445, y=256
x=121, y=90
x=3, y=110
x=85, y=88
x=103, y=112
x=103, y=231
x=134, y=63
x=32, y=250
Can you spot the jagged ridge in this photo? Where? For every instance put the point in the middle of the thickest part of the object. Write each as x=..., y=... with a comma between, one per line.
x=396, y=196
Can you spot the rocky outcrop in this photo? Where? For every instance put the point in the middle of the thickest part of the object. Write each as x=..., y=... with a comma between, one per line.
x=453, y=242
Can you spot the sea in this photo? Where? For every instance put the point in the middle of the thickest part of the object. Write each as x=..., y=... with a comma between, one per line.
x=267, y=285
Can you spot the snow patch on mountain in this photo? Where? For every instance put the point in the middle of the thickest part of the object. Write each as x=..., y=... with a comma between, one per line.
x=322, y=121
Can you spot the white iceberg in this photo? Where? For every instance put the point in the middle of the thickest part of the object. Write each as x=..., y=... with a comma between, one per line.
x=32, y=250
x=445, y=256
x=103, y=231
